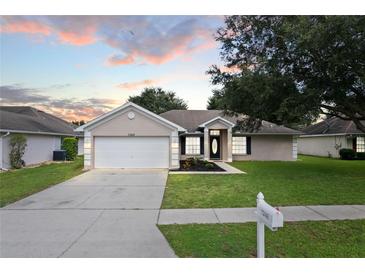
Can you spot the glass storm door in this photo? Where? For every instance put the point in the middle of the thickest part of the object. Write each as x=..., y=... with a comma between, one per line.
x=215, y=147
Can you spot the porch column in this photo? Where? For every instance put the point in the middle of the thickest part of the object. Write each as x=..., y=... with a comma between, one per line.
x=206, y=144
x=87, y=150
x=229, y=144
x=175, y=161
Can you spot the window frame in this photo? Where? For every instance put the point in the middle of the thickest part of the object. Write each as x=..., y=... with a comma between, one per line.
x=214, y=132
x=195, y=147
x=360, y=144
x=243, y=146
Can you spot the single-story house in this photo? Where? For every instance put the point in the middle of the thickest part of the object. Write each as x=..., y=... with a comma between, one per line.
x=43, y=132
x=326, y=138
x=133, y=137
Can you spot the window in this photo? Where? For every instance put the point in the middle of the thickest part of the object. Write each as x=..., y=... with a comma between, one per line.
x=239, y=145
x=192, y=145
x=215, y=132
x=360, y=144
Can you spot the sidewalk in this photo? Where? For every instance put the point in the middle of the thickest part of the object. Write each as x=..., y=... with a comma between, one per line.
x=244, y=215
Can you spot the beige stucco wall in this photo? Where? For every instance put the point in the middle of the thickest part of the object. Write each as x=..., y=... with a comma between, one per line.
x=121, y=125
x=183, y=157
x=39, y=149
x=269, y=148
x=327, y=146
x=217, y=125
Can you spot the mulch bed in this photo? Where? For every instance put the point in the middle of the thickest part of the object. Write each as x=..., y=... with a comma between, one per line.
x=200, y=166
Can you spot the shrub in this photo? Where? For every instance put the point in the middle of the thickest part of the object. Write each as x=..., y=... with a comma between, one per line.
x=70, y=145
x=209, y=165
x=360, y=155
x=18, y=143
x=347, y=154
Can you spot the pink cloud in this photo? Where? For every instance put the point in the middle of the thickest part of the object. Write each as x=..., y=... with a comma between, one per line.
x=117, y=60
x=137, y=39
x=80, y=36
x=78, y=39
x=232, y=69
x=137, y=84
x=25, y=27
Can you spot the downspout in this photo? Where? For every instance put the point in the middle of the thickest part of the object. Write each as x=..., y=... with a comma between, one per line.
x=3, y=136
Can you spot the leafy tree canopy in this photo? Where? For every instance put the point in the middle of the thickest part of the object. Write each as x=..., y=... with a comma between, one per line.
x=290, y=69
x=78, y=123
x=158, y=101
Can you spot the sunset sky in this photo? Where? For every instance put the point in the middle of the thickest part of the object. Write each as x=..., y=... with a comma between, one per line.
x=79, y=67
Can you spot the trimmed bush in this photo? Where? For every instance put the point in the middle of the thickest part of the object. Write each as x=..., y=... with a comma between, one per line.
x=70, y=145
x=18, y=143
x=347, y=154
x=360, y=155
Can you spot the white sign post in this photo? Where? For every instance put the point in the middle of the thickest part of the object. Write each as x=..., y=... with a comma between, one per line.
x=269, y=216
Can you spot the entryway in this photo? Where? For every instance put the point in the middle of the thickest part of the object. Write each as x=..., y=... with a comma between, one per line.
x=215, y=144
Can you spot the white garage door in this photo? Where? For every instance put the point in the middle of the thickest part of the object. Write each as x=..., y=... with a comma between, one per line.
x=131, y=152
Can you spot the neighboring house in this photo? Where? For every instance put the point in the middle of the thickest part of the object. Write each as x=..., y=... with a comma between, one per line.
x=43, y=132
x=133, y=137
x=329, y=136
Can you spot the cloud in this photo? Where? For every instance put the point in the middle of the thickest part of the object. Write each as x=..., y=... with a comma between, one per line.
x=68, y=109
x=117, y=59
x=78, y=39
x=25, y=26
x=158, y=46
x=137, y=39
x=137, y=84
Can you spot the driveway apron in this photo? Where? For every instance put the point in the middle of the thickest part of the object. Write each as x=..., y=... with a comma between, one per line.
x=101, y=213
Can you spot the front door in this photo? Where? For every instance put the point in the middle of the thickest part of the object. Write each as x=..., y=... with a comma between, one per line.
x=215, y=147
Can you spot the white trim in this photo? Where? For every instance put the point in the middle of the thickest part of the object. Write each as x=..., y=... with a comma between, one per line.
x=217, y=118
x=322, y=135
x=268, y=134
x=326, y=135
x=38, y=132
x=124, y=106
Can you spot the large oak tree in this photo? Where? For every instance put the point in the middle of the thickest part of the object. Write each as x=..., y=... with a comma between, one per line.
x=158, y=100
x=290, y=69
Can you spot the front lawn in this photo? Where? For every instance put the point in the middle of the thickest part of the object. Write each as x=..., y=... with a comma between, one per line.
x=308, y=181
x=296, y=240
x=17, y=184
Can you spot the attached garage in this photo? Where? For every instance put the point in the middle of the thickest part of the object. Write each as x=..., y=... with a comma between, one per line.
x=132, y=152
x=131, y=137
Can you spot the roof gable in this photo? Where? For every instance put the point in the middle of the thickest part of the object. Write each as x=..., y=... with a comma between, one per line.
x=217, y=119
x=115, y=112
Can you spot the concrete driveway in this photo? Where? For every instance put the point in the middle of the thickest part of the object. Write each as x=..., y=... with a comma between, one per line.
x=101, y=213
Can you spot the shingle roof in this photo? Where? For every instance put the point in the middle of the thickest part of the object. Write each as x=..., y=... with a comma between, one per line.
x=22, y=118
x=191, y=119
x=333, y=125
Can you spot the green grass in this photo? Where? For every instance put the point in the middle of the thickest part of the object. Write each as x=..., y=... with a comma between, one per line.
x=295, y=240
x=308, y=181
x=17, y=184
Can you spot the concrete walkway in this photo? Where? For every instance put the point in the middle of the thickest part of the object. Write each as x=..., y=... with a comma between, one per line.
x=244, y=215
x=101, y=213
